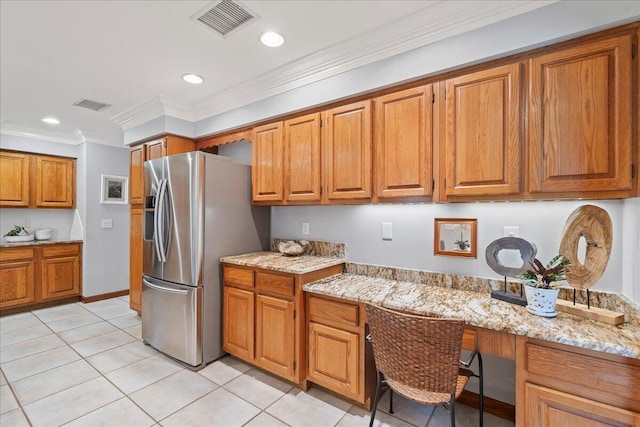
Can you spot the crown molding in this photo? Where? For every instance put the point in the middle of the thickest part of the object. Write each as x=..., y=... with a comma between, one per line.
x=76, y=137
x=151, y=109
x=13, y=129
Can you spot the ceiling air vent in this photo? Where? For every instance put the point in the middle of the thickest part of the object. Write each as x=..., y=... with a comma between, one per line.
x=225, y=17
x=91, y=105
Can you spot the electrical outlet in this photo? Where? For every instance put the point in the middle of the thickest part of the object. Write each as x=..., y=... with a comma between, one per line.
x=387, y=231
x=305, y=228
x=107, y=223
x=511, y=231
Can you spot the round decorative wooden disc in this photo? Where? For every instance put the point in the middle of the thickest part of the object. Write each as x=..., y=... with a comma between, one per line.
x=527, y=254
x=594, y=224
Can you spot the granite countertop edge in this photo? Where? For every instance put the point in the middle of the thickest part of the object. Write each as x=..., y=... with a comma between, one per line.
x=279, y=262
x=480, y=310
x=5, y=244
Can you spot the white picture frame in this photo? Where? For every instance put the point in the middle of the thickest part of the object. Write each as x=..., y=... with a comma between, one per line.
x=114, y=189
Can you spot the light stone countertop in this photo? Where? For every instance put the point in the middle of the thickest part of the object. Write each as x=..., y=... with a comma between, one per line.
x=5, y=244
x=479, y=309
x=287, y=264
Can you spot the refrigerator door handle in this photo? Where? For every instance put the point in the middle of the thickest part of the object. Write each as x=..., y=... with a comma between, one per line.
x=165, y=289
x=156, y=220
x=160, y=214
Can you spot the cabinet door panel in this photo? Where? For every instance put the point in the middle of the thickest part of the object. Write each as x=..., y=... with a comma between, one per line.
x=238, y=322
x=17, y=283
x=548, y=407
x=14, y=179
x=267, y=171
x=155, y=149
x=135, y=259
x=580, y=118
x=60, y=277
x=333, y=358
x=347, y=155
x=302, y=158
x=403, y=143
x=275, y=335
x=482, y=152
x=136, y=175
x=55, y=182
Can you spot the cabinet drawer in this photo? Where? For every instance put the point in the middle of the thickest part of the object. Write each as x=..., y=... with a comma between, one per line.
x=606, y=377
x=16, y=254
x=238, y=276
x=60, y=250
x=333, y=312
x=275, y=283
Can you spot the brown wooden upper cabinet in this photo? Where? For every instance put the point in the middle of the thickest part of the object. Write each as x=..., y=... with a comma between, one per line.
x=267, y=172
x=136, y=175
x=580, y=118
x=302, y=159
x=347, y=152
x=481, y=133
x=14, y=179
x=37, y=181
x=403, y=143
x=55, y=182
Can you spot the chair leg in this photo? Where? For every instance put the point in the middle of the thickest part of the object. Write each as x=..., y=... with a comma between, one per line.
x=376, y=399
x=390, y=401
x=452, y=412
x=481, y=389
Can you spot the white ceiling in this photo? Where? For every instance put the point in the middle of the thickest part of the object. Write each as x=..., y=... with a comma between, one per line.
x=132, y=54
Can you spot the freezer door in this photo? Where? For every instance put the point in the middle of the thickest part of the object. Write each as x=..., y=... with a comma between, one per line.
x=183, y=218
x=171, y=319
x=153, y=264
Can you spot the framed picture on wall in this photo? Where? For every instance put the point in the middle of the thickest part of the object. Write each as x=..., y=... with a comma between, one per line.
x=455, y=237
x=114, y=189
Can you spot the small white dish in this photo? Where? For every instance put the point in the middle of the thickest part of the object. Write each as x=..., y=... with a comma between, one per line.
x=15, y=239
x=43, y=234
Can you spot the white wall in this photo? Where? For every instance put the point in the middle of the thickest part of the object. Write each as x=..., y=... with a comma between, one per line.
x=413, y=228
x=105, y=251
x=106, y=256
x=631, y=249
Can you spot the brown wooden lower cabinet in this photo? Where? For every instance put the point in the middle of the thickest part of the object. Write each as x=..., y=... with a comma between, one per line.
x=238, y=321
x=559, y=385
x=17, y=277
x=60, y=272
x=337, y=348
x=136, y=257
x=34, y=274
x=263, y=318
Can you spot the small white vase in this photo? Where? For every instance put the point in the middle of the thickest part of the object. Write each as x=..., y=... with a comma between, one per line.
x=541, y=302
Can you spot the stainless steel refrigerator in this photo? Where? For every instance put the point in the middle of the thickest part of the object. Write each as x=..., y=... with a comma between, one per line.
x=197, y=209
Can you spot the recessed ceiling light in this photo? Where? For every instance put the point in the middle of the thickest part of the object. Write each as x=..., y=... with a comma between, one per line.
x=51, y=120
x=194, y=79
x=272, y=39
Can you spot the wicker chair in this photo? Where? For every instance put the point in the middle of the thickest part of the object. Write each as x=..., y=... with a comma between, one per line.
x=419, y=358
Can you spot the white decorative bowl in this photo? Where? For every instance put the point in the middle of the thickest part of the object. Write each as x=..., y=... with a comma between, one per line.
x=43, y=234
x=15, y=239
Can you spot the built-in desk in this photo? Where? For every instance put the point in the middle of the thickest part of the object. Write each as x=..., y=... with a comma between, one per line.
x=568, y=369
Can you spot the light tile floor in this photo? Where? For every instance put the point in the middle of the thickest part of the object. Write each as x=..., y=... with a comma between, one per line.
x=85, y=365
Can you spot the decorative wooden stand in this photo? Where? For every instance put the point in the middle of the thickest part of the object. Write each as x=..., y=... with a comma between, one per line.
x=599, y=314
x=592, y=223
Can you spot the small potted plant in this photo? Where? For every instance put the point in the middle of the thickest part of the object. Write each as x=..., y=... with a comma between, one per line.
x=541, y=286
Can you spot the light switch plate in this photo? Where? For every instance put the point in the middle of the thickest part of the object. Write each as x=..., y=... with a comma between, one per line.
x=107, y=223
x=387, y=231
x=305, y=228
